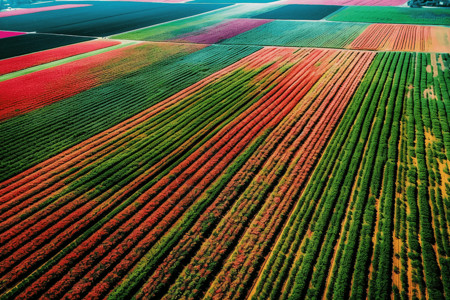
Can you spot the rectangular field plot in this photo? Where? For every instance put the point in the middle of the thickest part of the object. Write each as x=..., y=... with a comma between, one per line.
x=103, y=18
x=299, y=12
x=300, y=34
x=29, y=43
x=402, y=15
x=403, y=38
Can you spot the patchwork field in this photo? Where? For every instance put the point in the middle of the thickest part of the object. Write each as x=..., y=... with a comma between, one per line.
x=224, y=151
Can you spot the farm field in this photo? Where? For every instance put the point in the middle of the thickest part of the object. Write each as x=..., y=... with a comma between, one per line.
x=295, y=149
x=403, y=38
x=402, y=15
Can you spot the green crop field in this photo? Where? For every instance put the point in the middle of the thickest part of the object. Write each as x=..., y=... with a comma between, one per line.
x=172, y=149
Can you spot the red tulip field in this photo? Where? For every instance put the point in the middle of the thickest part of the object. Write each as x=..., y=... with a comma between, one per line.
x=224, y=150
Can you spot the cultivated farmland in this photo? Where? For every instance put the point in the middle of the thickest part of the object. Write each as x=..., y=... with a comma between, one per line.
x=402, y=15
x=301, y=34
x=102, y=20
x=224, y=151
x=392, y=128
x=403, y=38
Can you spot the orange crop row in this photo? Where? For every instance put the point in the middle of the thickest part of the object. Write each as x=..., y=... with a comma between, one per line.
x=397, y=37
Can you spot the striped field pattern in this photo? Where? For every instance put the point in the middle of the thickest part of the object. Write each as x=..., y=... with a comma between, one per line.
x=239, y=153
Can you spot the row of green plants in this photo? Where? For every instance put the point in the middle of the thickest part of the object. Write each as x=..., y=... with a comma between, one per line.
x=38, y=135
x=379, y=178
x=102, y=184
x=133, y=187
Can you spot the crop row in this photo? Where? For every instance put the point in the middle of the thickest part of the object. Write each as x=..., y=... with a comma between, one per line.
x=394, y=15
x=425, y=187
x=40, y=134
x=392, y=37
x=204, y=241
x=5, y=34
x=88, y=221
x=116, y=175
x=372, y=222
x=331, y=96
x=112, y=178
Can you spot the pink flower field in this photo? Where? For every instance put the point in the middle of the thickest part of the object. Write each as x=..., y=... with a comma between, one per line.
x=6, y=34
